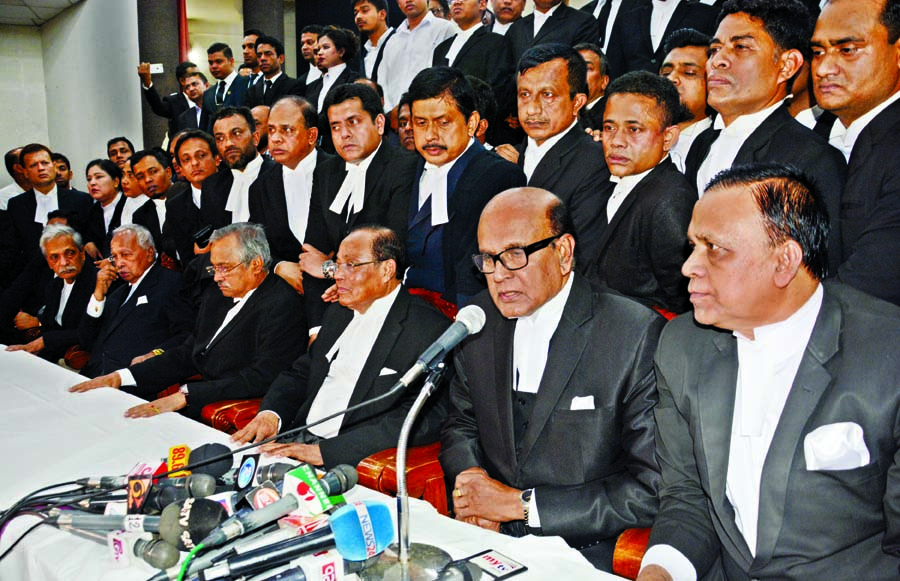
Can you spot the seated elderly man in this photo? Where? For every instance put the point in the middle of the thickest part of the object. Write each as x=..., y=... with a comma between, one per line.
x=249, y=329
x=58, y=295
x=778, y=408
x=366, y=343
x=146, y=313
x=551, y=429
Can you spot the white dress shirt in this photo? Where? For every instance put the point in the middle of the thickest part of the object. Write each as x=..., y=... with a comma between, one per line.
x=372, y=52
x=461, y=38
x=501, y=28
x=686, y=137
x=409, y=52
x=613, y=12
x=433, y=184
x=624, y=186
x=726, y=147
x=659, y=20
x=534, y=153
x=767, y=367
x=108, y=211
x=160, y=206
x=348, y=356
x=313, y=75
x=239, y=196
x=297, y=193
x=196, y=195
x=7, y=193
x=353, y=188
x=272, y=80
x=844, y=138
x=46, y=203
x=328, y=81
x=228, y=81
x=63, y=299
x=132, y=204
x=540, y=18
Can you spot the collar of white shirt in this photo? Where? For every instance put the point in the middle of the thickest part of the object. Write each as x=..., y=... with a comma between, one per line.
x=273, y=79
x=229, y=79
x=305, y=167
x=849, y=135
x=534, y=153
x=195, y=195
x=744, y=125
x=540, y=18
x=333, y=73
x=376, y=312
x=370, y=47
x=433, y=184
x=404, y=26
x=137, y=283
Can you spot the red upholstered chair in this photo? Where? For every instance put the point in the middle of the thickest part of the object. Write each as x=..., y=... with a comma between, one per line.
x=76, y=357
x=230, y=415
x=629, y=551
x=424, y=476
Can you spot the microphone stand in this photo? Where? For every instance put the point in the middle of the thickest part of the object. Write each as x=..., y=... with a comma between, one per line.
x=400, y=560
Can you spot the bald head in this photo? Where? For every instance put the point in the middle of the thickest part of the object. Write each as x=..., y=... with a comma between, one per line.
x=527, y=249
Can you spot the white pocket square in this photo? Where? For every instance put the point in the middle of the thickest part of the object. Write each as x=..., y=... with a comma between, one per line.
x=582, y=403
x=142, y=300
x=837, y=446
x=386, y=371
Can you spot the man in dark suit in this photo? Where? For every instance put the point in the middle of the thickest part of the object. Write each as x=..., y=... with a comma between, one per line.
x=777, y=418
x=505, y=13
x=864, y=95
x=63, y=291
x=558, y=155
x=173, y=105
x=153, y=171
x=275, y=82
x=642, y=247
x=230, y=89
x=475, y=50
x=196, y=153
x=225, y=194
x=607, y=13
x=309, y=40
x=559, y=23
x=597, y=81
x=248, y=330
x=195, y=85
x=43, y=197
x=145, y=314
x=454, y=180
x=748, y=88
x=367, y=183
x=366, y=343
x=280, y=199
x=551, y=430
x=636, y=46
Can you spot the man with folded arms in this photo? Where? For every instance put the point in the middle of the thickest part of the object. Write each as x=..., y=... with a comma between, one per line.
x=778, y=413
x=367, y=342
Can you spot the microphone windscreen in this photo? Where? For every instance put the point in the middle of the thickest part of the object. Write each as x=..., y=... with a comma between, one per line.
x=157, y=553
x=159, y=498
x=207, y=451
x=275, y=472
x=472, y=317
x=201, y=485
x=362, y=529
x=339, y=479
x=184, y=524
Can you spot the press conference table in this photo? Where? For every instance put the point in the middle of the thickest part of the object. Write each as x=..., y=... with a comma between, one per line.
x=48, y=436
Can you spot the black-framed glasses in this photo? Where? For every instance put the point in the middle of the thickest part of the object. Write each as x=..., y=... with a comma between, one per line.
x=330, y=268
x=223, y=270
x=511, y=258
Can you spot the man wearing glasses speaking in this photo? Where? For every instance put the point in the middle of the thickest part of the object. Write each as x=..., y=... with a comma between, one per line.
x=249, y=329
x=551, y=430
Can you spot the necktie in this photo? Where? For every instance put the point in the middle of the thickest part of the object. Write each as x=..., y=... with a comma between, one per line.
x=351, y=195
x=267, y=87
x=220, y=93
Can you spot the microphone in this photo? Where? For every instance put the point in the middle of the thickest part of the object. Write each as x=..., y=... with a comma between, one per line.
x=100, y=522
x=156, y=553
x=339, y=480
x=469, y=320
x=183, y=523
x=275, y=472
x=213, y=459
x=198, y=485
x=358, y=532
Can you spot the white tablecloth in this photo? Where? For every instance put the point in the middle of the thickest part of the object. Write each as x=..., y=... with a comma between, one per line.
x=48, y=435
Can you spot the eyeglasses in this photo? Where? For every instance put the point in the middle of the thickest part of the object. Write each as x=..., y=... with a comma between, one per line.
x=223, y=270
x=511, y=258
x=331, y=268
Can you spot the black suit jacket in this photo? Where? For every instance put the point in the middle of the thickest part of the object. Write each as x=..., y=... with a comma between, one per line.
x=813, y=524
x=593, y=118
x=214, y=195
x=261, y=341
x=96, y=230
x=234, y=97
x=476, y=177
x=642, y=249
x=127, y=329
x=27, y=232
x=283, y=85
x=630, y=47
x=171, y=107
x=784, y=139
x=188, y=120
x=567, y=25
x=409, y=328
x=147, y=217
x=593, y=469
x=486, y=55
x=575, y=170
x=592, y=5
x=182, y=222
x=268, y=206
x=870, y=210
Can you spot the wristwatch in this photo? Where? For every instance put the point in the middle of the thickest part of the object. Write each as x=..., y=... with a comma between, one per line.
x=525, y=498
x=328, y=269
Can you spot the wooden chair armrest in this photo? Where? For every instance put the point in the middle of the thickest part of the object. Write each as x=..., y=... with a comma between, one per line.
x=76, y=357
x=629, y=551
x=230, y=415
x=424, y=476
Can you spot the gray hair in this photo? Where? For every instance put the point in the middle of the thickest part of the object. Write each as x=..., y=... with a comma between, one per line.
x=251, y=239
x=52, y=231
x=143, y=236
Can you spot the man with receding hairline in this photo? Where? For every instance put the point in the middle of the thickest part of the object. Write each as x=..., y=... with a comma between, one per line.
x=551, y=430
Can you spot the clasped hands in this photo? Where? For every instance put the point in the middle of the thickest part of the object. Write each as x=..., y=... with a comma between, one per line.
x=480, y=500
